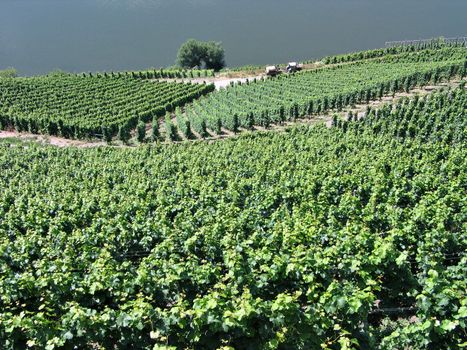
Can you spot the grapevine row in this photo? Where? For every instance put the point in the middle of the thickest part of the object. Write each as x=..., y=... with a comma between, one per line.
x=81, y=107
x=286, y=98
x=297, y=240
x=395, y=50
x=156, y=74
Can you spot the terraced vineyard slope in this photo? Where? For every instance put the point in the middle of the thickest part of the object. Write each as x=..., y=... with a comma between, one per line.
x=351, y=237
x=86, y=107
x=289, y=97
x=435, y=44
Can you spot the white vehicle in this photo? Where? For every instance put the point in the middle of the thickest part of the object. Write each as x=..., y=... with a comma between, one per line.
x=293, y=67
x=272, y=71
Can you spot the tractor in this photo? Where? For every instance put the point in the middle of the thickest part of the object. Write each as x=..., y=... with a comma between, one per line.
x=272, y=71
x=293, y=67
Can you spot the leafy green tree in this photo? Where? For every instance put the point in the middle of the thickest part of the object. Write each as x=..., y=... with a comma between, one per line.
x=195, y=53
x=214, y=55
x=190, y=54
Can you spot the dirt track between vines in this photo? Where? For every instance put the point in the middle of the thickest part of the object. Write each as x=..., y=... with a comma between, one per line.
x=219, y=82
x=326, y=118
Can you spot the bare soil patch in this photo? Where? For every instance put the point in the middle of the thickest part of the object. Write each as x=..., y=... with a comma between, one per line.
x=220, y=82
x=50, y=140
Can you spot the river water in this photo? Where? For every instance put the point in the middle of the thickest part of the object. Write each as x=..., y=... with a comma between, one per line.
x=37, y=36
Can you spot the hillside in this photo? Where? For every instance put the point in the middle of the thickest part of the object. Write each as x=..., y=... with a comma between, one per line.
x=109, y=106
x=349, y=237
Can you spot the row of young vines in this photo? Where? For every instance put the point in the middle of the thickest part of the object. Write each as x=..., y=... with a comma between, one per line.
x=88, y=107
x=394, y=50
x=162, y=73
x=289, y=97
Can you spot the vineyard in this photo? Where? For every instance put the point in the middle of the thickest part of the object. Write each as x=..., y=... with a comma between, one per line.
x=110, y=105
x=86, y=107
x=435, y=44
x=351, y=237
x=289, y=97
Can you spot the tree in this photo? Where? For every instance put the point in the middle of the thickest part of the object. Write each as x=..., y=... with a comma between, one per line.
x=190, y=54
x=194, y=53
x=214, y=56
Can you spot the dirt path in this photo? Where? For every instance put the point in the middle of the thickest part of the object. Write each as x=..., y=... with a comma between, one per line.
x=219, y=82
x=360, y=109
x=49, y=140
x=225, y=79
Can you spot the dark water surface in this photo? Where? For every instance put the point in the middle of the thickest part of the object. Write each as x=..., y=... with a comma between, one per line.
x=37, y=36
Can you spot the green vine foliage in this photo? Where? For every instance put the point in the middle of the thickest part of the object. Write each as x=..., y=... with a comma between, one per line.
x=162, y=73
x=297, y=240
x=423, y=48
x=88, y=107
x=313, y=92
